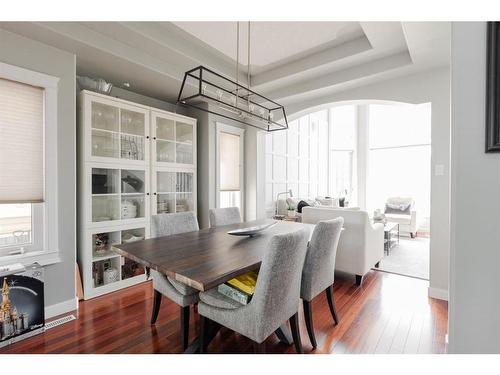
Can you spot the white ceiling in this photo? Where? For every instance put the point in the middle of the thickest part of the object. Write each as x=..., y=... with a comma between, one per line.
x=271, y=42
x=290, y=61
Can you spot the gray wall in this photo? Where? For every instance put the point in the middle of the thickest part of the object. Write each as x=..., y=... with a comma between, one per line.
x=26, y=53
x=475, y=205
x=207, y=165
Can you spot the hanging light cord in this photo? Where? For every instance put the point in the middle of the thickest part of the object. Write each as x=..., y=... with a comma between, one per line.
x=237, y=58
x=248, y=55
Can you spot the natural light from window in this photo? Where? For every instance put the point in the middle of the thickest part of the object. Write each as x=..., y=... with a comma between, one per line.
x=15, y=225
x=400, y=155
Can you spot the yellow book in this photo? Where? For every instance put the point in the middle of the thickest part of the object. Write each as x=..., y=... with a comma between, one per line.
x=245, y=283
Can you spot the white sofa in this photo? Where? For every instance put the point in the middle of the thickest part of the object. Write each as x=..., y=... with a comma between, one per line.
x=400, y=210
x=361, y=244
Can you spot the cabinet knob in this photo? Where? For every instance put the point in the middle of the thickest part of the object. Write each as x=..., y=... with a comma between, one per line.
x=154, y=193
x=154, y=138
x=147, y=193
x=147, y=137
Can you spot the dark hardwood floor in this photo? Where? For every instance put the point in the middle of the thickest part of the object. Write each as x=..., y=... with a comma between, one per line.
x=387, y=314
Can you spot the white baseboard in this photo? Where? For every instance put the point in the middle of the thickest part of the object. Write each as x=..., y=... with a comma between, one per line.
x=438, y=293
x=61, y=308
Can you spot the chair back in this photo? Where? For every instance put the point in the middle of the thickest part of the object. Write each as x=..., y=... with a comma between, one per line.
x=170, y=224
x=277, y=292
x=319, y=265
x=224, y=216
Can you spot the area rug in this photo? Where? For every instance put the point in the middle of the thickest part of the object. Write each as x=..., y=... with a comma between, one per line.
x=410, y=258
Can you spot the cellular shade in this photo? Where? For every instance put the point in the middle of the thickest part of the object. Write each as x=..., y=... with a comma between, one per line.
x=21, y=142
x=229, y=162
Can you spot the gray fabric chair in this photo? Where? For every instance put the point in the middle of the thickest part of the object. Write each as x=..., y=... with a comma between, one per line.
x=276, y=298
x=181, y=294
x=224, y=216
x=319, y=267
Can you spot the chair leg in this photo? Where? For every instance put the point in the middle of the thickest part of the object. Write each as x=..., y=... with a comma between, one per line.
x=331, y=303
x=259, y=348
x=203, y=334
x=309, y=322
x=359, y=279
x=156, y=306
x=294, y=325
x=185, y=327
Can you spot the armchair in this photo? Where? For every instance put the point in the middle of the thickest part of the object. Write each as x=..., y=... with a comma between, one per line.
x=401, y=210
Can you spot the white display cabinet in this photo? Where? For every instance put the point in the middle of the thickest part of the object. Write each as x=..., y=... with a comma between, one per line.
x=134, y=162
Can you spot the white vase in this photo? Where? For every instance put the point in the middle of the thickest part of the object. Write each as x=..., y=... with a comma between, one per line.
x=110, y=276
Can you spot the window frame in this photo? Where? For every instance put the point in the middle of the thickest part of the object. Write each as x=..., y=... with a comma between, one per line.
x=45, y=245
x=351, y=196
x=225, y=128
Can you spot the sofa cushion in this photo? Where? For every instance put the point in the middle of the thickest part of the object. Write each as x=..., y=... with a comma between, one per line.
x=398, y=205
x=397, y=211
x=398, y=218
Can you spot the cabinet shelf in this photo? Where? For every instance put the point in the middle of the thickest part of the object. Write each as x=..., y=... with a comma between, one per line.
x=106, y=255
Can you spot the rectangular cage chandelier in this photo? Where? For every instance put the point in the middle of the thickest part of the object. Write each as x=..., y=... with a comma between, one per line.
x=229, y=99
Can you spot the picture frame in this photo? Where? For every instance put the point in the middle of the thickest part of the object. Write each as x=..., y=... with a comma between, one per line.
x=493, y=88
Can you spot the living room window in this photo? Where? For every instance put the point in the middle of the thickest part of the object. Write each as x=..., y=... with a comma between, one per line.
x=343, y=121
x=28, y=166
x=295, y=159
x=400, y=155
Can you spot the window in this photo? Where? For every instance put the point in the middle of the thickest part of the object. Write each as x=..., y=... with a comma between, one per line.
x=296, y=159
x=230, y=166
x=400, y=155
x=342, y=148
x=28, y=166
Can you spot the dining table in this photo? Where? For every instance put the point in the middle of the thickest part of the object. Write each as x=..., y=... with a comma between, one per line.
x=209, y=257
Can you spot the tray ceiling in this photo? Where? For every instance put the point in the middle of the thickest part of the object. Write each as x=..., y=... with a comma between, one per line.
x=291, y=61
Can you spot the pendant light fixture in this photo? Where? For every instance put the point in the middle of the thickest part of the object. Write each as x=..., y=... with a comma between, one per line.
x=228, y=98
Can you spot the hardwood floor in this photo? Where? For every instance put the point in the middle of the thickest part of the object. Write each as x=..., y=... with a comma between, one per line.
x=387, y=314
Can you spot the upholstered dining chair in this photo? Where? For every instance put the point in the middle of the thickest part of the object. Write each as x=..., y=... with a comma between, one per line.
x=224, y=216
x=319, y=266
x=181, y=294
x=276, y=298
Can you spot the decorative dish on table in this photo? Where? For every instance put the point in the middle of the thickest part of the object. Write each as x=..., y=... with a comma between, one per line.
x=251, y=231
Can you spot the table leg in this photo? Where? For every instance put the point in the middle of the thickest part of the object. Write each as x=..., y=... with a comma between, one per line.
x=194, y=347
x=284, y=335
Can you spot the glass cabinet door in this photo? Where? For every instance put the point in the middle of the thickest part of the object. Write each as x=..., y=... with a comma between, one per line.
x=105, y=194
x=165, y=140
x=133, y=196
x=105, y=130
x=117, y=133
x=118, y=194
x=165, y=196
x=132, y=135
x=184, y=143
x=184, y=192
x=174, y=141
x=174, y=192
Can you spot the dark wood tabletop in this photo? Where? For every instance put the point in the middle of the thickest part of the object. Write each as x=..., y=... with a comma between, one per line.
x=206, y=258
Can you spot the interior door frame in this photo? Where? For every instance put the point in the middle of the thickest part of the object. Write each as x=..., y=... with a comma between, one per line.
x=224, y=128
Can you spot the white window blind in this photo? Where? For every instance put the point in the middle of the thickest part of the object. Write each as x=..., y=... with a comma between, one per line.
x=21, y=142
x=229, y=162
